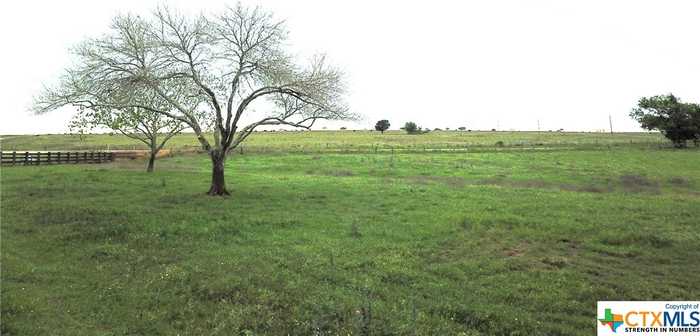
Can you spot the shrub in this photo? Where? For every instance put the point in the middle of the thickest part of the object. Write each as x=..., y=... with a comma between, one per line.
x=411, y=128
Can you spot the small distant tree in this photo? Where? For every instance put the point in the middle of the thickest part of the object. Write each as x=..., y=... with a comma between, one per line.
x=382, y=125
x=677, y=121
x=142, y=124
x=152, y=129
x=411, y=128
x=462, y=128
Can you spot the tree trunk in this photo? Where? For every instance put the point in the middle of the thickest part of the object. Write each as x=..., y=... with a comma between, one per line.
x=679, y=143
x=218, y=185
x=151, y=162
x=152, y=156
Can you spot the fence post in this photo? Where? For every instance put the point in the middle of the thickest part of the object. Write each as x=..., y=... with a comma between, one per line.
x=14, y=158
x=49, y=158
x=92, y=157
x=77, y=157
x=85, y=160
x=26, y=158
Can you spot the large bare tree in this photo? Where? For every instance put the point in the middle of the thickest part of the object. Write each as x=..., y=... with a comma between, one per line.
x=209, y=71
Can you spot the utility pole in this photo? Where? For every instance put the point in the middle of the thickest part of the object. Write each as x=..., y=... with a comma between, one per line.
x=610, y=121
x=538, y=125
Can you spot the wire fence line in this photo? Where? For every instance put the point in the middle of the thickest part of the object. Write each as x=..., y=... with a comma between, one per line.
x=349, y=148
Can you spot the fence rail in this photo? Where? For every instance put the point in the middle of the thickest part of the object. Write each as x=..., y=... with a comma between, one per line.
x=26, y=158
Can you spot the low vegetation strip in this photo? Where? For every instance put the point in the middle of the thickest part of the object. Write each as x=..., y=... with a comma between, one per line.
x=339, y=141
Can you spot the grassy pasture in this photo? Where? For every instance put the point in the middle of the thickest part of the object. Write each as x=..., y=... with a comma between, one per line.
x=327, y=141
x=487, y=243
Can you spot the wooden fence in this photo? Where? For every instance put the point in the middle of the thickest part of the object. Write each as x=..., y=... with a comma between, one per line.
x=49, y=158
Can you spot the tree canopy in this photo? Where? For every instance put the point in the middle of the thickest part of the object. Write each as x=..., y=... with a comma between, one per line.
x=208, y=69
x=678, y=121
x=382, y=125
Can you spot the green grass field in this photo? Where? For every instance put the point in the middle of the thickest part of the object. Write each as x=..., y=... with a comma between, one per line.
x=484, y=243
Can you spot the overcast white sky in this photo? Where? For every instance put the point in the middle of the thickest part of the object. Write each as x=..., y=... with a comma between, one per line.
x=480, y=64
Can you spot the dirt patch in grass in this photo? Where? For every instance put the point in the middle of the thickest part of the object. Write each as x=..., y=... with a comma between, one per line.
x=340, y=173
x=88, y=217
x=451, y=181
x=594, y=188
x=645, y=240
x=628, y=183
x=514, y=251
x=679, y=181
x=538, y=184
x=331, y=172
x=500, y=180
x=638, y=183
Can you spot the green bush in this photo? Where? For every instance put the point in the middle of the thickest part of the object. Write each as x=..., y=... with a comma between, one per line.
x=412, y=128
